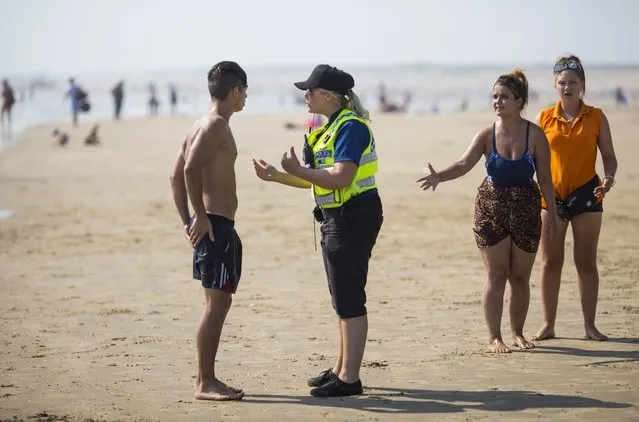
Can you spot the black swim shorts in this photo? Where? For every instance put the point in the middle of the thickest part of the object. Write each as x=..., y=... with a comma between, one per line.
x=218, y=263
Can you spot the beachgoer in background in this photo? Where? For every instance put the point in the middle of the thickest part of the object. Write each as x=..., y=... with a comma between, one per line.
x=173, y=98
x=118, y=98
x=620, y=97
x=314, y=122
x=79, y=100
x=8, y=100
x=92, y=137
x=386, y=106
x=61, y=138
x=154, y=104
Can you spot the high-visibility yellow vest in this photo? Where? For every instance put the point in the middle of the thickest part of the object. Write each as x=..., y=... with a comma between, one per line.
x=322, y=141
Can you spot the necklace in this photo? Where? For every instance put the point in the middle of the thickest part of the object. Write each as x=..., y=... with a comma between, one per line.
x=567, y=116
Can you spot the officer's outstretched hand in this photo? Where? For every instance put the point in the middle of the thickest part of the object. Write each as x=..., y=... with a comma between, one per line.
x=290, y=162
x=264, y=170
x=430, y=181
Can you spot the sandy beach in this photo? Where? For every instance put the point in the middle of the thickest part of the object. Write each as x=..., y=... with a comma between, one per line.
x=98, y=309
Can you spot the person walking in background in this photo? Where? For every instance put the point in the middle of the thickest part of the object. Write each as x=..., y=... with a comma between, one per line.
x=8, y=100
x=154, y=104
x=79, y=100
x=118, y=97
x=173, y=98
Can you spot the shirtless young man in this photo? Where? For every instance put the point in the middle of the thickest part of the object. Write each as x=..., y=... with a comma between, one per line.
x=204, y=173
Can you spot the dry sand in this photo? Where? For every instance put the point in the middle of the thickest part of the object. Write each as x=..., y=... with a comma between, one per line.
x=98, y=309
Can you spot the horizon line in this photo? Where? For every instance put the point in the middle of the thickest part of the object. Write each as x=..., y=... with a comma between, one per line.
x=370, y=65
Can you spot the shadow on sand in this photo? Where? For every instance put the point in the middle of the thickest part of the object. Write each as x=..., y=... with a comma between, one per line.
x=609, y=356
x=406, y=401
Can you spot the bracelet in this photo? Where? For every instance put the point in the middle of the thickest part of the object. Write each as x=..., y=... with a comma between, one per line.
x=612, y=180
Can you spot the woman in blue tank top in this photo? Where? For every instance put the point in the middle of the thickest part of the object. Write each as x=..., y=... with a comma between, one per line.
x=507, y=222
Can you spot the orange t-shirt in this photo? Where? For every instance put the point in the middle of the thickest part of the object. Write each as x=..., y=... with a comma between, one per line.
x=573, y=149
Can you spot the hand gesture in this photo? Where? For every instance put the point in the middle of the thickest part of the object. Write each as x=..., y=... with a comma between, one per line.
x=200, y=228
x=290, y=162
x=605, y=186
x=264, y=170
x=430, y=181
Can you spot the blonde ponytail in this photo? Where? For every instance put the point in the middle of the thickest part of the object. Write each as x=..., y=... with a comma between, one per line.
x=353, y=103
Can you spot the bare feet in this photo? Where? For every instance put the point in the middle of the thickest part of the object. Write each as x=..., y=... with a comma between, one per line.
x=593, y=334
x=522, y=343
x=233, y=389
x=546, y=332
x=217, y=391
x=225, y=385
x=498, y=346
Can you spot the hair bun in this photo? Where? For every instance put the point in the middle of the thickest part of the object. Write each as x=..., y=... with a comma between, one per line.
x=518, y=73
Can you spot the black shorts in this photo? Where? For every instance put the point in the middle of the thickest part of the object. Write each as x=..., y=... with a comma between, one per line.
x=218, y=263
x=349, y=234
x=581, y=201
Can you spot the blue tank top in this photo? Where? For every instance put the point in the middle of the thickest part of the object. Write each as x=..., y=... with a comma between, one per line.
x=510, y=173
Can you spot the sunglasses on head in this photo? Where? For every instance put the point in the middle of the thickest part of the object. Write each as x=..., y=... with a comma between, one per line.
x=570, y=64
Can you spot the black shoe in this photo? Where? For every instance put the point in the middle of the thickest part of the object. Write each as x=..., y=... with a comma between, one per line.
x=338, y=388
x=321, y=379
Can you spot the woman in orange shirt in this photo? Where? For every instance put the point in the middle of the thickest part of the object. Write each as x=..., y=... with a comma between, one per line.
x=575, y=131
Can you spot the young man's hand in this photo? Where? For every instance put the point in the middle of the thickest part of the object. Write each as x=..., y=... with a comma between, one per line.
x=200, y=228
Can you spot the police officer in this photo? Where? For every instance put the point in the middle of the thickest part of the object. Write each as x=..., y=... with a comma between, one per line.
x=340, y=163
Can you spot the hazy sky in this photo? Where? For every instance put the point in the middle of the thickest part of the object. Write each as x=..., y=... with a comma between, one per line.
x=58, y=36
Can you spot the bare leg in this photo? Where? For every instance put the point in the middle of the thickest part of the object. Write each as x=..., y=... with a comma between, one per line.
x=208, y=387
x=354, y=332
x=497, y=262
x=337, y=368
x=9, y=124
x=521, y=264
x=585, y=229
x=552, y=261
x=233, y=389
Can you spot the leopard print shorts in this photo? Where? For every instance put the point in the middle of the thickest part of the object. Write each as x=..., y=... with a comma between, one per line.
x=506, y=211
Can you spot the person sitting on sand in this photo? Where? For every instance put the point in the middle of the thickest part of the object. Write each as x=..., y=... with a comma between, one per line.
x=312, y=123
x=92, y=137
x=575, y=132
x=61, y=138
x=386, y=106
x=507, y=222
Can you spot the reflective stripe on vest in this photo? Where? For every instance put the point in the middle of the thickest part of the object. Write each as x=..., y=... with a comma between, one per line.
x=364, y=183
x=366, y=158
x=327, y=199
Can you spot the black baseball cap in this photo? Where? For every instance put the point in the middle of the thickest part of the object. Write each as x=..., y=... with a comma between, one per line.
x=329, y=78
